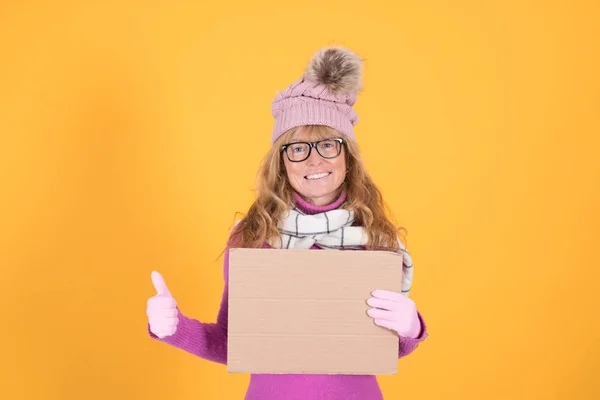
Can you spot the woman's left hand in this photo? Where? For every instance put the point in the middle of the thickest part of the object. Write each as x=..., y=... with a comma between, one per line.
x=394, y=311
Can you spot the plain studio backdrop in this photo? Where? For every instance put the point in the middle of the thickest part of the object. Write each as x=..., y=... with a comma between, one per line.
x=131, y=134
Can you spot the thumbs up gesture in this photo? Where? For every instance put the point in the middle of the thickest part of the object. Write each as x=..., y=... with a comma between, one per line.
x=162, y=309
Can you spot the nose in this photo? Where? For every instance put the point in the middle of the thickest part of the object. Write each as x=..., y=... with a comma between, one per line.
x=314, y=158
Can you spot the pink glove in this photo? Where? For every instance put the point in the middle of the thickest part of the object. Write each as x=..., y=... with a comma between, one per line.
x=394, y=311
x=162, y=309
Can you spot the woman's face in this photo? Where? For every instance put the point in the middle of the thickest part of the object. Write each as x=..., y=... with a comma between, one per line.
x=316, y=179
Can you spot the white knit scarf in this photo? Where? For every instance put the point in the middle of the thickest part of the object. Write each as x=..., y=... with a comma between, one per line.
x=331, y=230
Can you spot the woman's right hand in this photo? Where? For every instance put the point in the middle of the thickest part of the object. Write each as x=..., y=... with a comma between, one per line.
x=162, y=309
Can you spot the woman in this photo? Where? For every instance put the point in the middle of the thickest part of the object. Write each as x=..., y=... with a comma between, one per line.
x=313, y=192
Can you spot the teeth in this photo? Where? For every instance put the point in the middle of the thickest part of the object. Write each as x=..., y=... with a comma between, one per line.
x=317, y=176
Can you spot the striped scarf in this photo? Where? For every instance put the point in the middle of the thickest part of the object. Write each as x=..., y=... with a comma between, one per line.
x=331, y=230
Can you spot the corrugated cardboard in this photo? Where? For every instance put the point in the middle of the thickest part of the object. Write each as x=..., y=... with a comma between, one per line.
x=304, y=311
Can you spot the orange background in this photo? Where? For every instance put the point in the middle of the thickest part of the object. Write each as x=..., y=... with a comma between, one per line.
x=132, y=131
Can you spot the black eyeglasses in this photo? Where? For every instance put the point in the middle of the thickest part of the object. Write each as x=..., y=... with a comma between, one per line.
x=300, y=151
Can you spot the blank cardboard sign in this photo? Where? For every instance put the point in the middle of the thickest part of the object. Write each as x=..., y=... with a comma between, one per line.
x=305, y=312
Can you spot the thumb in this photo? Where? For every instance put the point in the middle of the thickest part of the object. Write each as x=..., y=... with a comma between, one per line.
x=160, y=285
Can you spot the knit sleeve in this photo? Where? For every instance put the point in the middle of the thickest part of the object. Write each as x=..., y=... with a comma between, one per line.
x=205, y=340
x=408, y=345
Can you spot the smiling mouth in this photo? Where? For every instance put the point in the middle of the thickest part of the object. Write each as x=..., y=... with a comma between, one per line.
x=315, y=177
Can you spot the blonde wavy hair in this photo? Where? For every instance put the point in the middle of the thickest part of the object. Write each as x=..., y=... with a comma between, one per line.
x=275, y=195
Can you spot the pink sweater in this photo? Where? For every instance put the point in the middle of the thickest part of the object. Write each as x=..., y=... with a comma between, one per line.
x=209, y=341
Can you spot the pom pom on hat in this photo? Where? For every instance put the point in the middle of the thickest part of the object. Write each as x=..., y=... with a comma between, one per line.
x=337, y=68
x=324, y=95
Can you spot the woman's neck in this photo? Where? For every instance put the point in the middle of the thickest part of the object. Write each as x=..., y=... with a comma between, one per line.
x=308, y=208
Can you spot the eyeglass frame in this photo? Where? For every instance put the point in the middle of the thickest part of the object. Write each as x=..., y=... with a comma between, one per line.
x=310, y=147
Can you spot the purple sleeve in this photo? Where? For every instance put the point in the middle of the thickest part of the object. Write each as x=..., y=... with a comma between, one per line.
x=205, y=340
x=408, y=345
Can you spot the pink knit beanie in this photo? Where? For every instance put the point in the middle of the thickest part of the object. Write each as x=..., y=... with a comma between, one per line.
x=324, y=95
